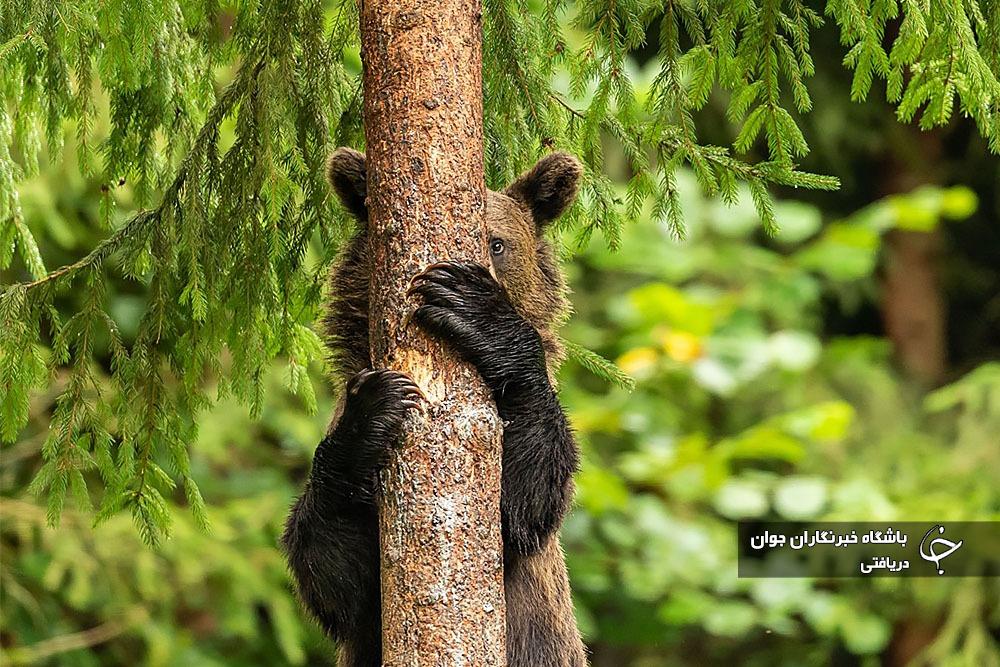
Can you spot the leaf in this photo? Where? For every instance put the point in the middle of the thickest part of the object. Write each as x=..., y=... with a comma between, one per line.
x=794, y=350
x=738, y=499
x=762, y=442
x=599, y=491
x=843, y=252
x=800, y=498
x=639, y=362
x=730, y=619
x=661, y=303
x=29, y=250
x=287, y=630
x=823, y=422
x=797, y=221
x=958, y=202
x=598, y=365
x=865, y=633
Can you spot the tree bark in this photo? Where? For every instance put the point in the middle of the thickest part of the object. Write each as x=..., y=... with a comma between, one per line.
x=442, y=558
x=913, y=305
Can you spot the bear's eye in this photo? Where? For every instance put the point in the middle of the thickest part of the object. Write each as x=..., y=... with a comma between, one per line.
x=497, y=247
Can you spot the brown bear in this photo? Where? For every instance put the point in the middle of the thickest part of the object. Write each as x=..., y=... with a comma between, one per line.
x=506, y=328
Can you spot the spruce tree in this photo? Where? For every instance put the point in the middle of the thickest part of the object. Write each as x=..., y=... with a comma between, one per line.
x=219, y=244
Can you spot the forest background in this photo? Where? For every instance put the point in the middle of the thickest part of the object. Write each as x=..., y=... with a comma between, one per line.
x=788, y=240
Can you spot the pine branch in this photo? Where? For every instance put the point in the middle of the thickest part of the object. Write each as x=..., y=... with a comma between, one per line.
x=599, y=366
x=139, y=224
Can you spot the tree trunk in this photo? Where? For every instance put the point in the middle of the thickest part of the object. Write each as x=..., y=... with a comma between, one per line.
x=442, y=558
x=913, y=305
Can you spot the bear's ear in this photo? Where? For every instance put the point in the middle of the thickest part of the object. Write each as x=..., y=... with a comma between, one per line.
x=347, y=173
x=548, y=188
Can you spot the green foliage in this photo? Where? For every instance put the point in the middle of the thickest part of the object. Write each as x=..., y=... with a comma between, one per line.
x=742, y=407
x=943, y=51
x=81, y=596
x=598, y=365
x=205, y=126
x=220, y=257
x=743, y=410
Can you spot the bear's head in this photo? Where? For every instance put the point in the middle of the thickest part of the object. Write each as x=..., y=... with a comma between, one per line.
x=516, y=218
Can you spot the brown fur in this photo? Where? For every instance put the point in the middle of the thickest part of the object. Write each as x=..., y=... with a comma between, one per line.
x=539, y=601
x=541, y=627
x=530, y=272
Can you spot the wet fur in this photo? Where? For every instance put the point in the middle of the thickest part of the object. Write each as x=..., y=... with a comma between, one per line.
x=506, y=329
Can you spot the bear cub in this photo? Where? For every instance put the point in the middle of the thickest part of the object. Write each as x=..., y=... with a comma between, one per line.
x=505, y=327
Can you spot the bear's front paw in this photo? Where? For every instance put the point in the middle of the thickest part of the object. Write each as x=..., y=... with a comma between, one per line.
x=466, y=307
x=377, y=402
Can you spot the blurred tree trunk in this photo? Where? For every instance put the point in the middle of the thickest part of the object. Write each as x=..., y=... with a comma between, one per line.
x=442, y=560
x=913, y=307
